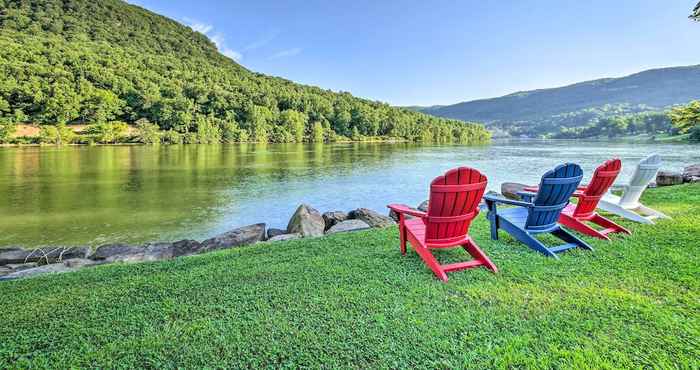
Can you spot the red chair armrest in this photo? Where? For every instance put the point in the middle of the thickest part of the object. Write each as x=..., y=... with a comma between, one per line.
x=404, y=209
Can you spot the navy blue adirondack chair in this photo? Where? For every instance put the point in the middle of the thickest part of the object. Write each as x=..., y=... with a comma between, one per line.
x=538, y=212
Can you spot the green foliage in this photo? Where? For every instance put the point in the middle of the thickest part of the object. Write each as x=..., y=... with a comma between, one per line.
x=60, y=134
x=317, y=132
x=352, y=301
x=230, y=132
x=172, y=137
x=147, y=132
x=652, y=123
x=687, y=117
x=694, y=135
x=101, y=61
x=695, y=15
x=293, y=123
x=107, y=132
x=208, y=130
x=6, y=131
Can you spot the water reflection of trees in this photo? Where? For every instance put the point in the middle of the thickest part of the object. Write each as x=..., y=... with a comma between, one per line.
x=132, y=193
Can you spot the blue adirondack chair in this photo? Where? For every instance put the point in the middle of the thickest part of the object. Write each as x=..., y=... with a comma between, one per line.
x=538, y=212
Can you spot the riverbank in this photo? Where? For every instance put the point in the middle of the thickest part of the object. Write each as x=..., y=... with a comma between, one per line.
x=352, y=300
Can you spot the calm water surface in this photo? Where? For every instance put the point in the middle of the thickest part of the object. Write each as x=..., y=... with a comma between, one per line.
x=134, y=194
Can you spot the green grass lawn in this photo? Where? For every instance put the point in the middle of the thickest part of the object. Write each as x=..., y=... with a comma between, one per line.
x=351, y=300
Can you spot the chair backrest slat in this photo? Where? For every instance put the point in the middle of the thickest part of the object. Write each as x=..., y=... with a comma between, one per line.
x=454, y=198
x=643, y=175
x=603, y=178
x=556, y=187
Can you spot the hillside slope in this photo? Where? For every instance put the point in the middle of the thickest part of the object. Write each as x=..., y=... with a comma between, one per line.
x=82, y=61
x=546, y=110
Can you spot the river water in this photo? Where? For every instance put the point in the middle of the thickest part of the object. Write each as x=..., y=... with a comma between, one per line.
x=134, y=194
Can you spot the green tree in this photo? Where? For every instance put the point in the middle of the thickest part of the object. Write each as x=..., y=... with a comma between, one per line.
x=294, y=123
x=59, y=134
x=107, y=132
x=101, y=106
x=6, y=131
x=317, y=133
x=147, y=132
x=208, y=130
x=687, y=117
x=230, y=132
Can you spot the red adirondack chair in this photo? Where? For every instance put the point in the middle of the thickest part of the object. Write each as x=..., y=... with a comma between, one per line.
x=453, y=204
x=575, y=216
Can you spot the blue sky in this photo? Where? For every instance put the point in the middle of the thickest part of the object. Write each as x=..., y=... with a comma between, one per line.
x=443, y=52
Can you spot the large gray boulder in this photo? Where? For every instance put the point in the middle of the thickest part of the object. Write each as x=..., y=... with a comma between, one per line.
x=21, y=266
x=158, y=251
x=691, y=172
x=272, y=232
x=372, y=218
x=52, y=268
x=13, y=255
x=80, y=262
x=333, y=217
x=282, y=237
x=668, y=178
x=511, y=189
x=149, y=252
x=348, y=225
x=235, y=238
x=42, y=255
x=5, y=271
x=106, y=251
x=186, y=247
x=306, y=221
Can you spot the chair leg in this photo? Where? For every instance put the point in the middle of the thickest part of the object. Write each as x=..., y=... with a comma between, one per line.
x=624, y=213
x=571, y=238
x=652, y=212
x=604, y=222
x=579, y=226
x=430, y=260
x=494, y=226
x=402, y=233
x=478, y=254
x=533, y=243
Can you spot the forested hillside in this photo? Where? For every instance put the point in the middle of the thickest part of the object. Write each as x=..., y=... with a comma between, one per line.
x=106, y=63
x=546, y=111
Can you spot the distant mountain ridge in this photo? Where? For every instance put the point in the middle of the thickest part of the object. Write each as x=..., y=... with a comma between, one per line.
x=546, y=110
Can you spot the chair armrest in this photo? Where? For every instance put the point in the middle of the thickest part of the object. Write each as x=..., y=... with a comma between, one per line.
x=404, y=209
x=531, y=189
x=526, y=195
x=578, y=193
x=491, y=199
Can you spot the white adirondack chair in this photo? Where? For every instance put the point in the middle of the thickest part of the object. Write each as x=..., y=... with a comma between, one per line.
x=628, y=205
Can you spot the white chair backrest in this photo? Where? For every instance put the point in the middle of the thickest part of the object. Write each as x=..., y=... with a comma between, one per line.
x=644, y=174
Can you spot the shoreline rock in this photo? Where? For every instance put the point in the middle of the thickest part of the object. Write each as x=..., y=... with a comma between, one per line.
x=510, y=190
x=348, y=226
x=282, y=237
x=237, y=237
x=333, y=217
x=372, y=218
x=669, y=178
x=46, y=255
x=306, y=221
